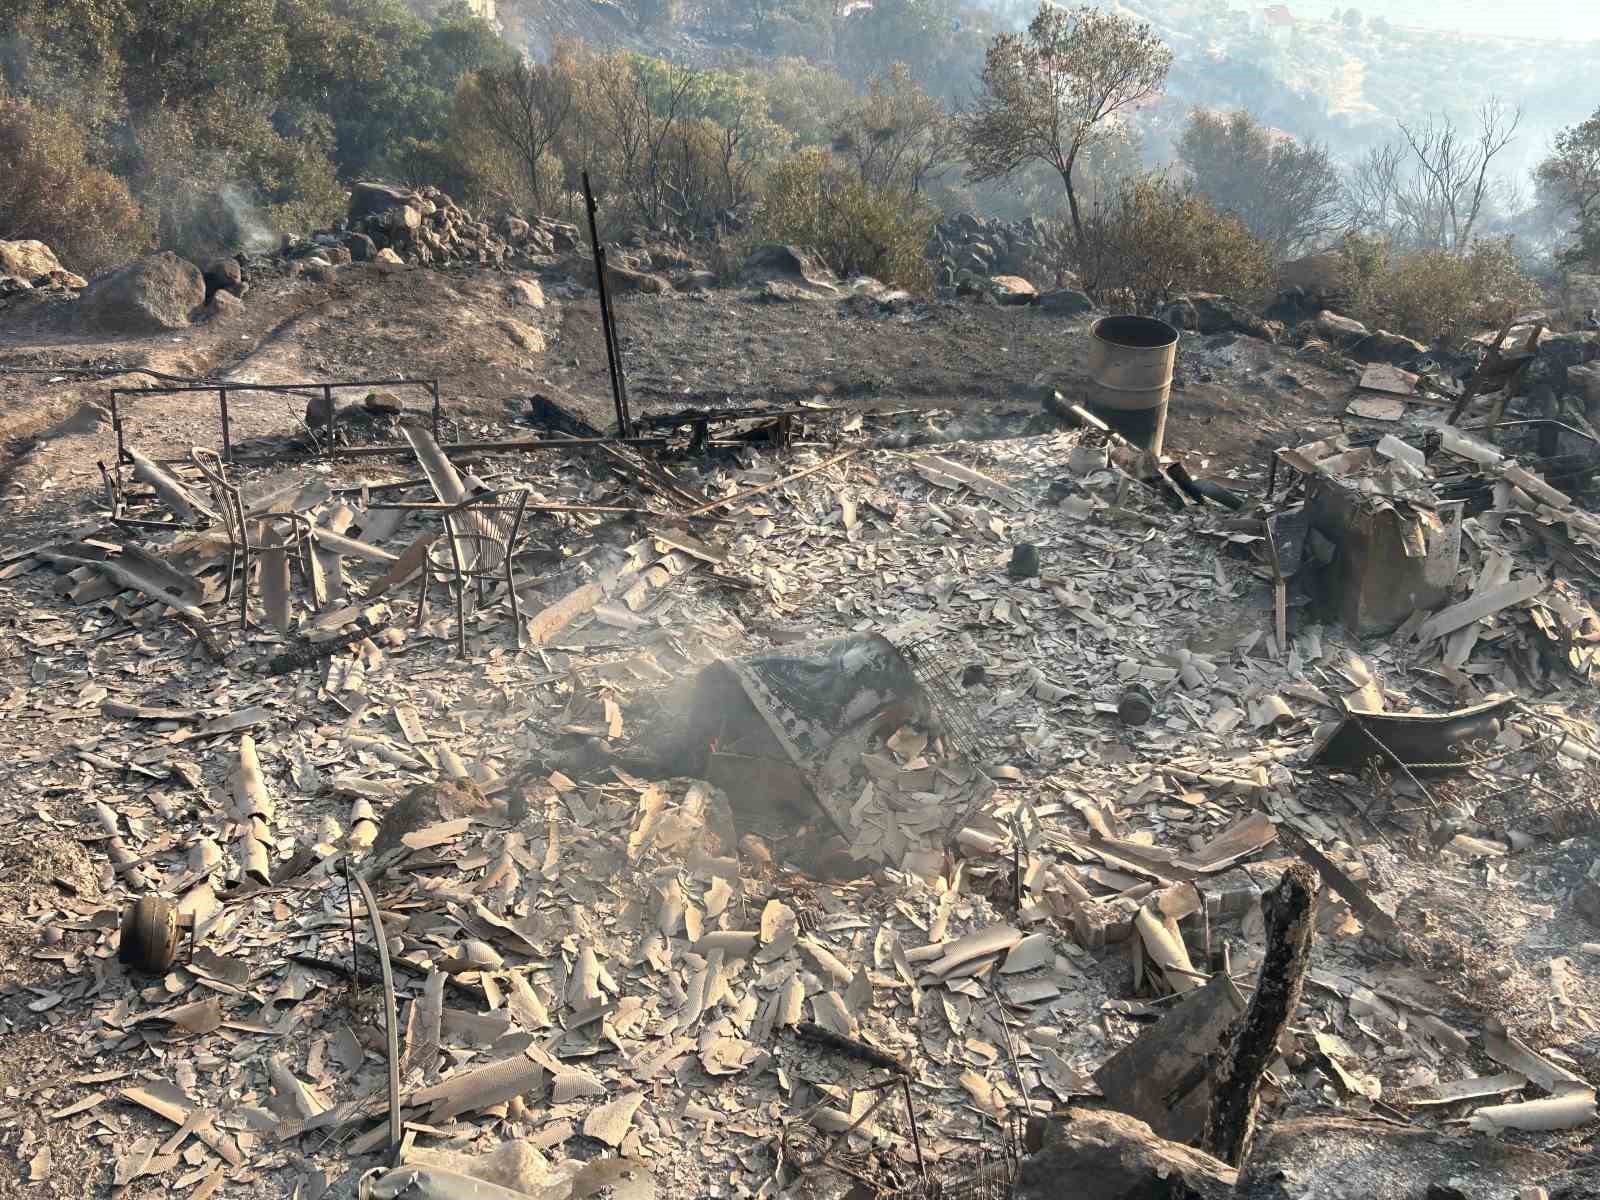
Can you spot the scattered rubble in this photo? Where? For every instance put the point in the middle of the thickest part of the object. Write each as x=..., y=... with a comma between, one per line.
x=808, y=813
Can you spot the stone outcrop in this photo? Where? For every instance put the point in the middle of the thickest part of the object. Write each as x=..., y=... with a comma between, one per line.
x=149, y=295
x=986, y=247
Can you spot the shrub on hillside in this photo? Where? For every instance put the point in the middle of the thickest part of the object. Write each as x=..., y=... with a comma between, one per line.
x=803, y=98
x=1435, y=294
x=1153, y=238
x=50, y=191
x=857, y=229
x=225, y=179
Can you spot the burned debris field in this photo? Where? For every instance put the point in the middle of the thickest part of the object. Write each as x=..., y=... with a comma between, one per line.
x=825, y=759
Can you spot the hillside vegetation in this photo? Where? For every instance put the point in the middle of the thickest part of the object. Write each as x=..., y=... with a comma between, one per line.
x=1157, y=146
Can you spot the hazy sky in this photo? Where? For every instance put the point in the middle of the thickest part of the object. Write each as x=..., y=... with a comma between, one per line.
x=1558, y=19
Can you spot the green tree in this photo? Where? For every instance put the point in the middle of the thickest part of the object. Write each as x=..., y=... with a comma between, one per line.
x=524, y=107
x=378, y=73
x=49, y=190
x=897, y=135
x=887, y=31
x=805, y=99
x=1571, y=177
x=66, y=56
x=1049, y=93
x=176, y=52
x=220, y=176
x=1285, y=191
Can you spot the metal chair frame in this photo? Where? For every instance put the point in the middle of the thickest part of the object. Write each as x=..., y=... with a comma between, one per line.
x=293, y=530
x=478, y=546
x=117, y=498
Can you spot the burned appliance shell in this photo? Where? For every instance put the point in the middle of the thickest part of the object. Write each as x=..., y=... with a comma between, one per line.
x=1373, y=580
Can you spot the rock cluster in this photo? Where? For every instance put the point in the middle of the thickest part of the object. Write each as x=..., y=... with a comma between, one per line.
x=425, y=227
x=970, y=245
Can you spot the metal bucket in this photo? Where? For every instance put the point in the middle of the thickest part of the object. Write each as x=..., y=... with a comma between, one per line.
x=1130, y=376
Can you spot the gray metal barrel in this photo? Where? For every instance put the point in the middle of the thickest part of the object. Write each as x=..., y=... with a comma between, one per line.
x=1130, y=376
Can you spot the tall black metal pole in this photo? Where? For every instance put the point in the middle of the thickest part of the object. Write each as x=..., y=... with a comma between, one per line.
x=619, y=388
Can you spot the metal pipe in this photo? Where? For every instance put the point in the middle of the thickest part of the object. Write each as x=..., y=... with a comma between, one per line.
x=536, y=444
x=227, y=437
x=116, y=427
x=174, y=389
x=390, y=1017
x=911, y=1118
x=619, y=394
x=435, y=506
x=347, y=452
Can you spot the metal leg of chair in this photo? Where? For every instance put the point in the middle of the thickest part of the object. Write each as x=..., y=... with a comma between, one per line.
x=422, y=596
x=233, y=565
x=461, y=617
x=303, y=550
x=244, y=590
x=516, y=611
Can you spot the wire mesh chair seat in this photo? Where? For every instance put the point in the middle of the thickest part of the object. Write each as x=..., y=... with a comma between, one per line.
x=478, y=548
x=264, y=533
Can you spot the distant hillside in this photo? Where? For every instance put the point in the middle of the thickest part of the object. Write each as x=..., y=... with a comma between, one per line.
x=1552, y=20
x=1343, y=84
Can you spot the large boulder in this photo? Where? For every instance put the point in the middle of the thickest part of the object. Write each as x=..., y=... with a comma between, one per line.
x=1558, y=354
x=788, y=264
x=224, y=306
x=1385, y=347
x=622, y=280
x=562, y=236
x=1585, y=381
x=223, y=275
x=668, y=260
x=695, y=281
x=526, y=292
x=375, y=199
x=524, y=337
x=27, y=260
x=402, y=220
x=1012, y=289
x=151, y=295
x=1207, y=313
x=1339, y=330
x=361, y=247
x=1065, y=302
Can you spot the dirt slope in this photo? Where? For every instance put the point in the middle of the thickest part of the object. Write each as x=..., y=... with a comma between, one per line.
x=1234, y=398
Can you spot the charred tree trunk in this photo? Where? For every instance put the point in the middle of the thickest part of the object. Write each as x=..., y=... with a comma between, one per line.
x=1290, y=910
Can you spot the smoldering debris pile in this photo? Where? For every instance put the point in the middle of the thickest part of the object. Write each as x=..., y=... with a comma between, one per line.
x=938, y=845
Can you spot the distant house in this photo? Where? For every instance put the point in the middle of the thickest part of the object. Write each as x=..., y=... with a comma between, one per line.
x=1278, y=22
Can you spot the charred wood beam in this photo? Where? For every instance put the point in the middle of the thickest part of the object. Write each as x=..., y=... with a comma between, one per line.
x=1290, y=910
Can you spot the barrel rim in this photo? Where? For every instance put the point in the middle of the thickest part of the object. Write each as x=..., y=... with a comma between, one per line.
x=1157, y=327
